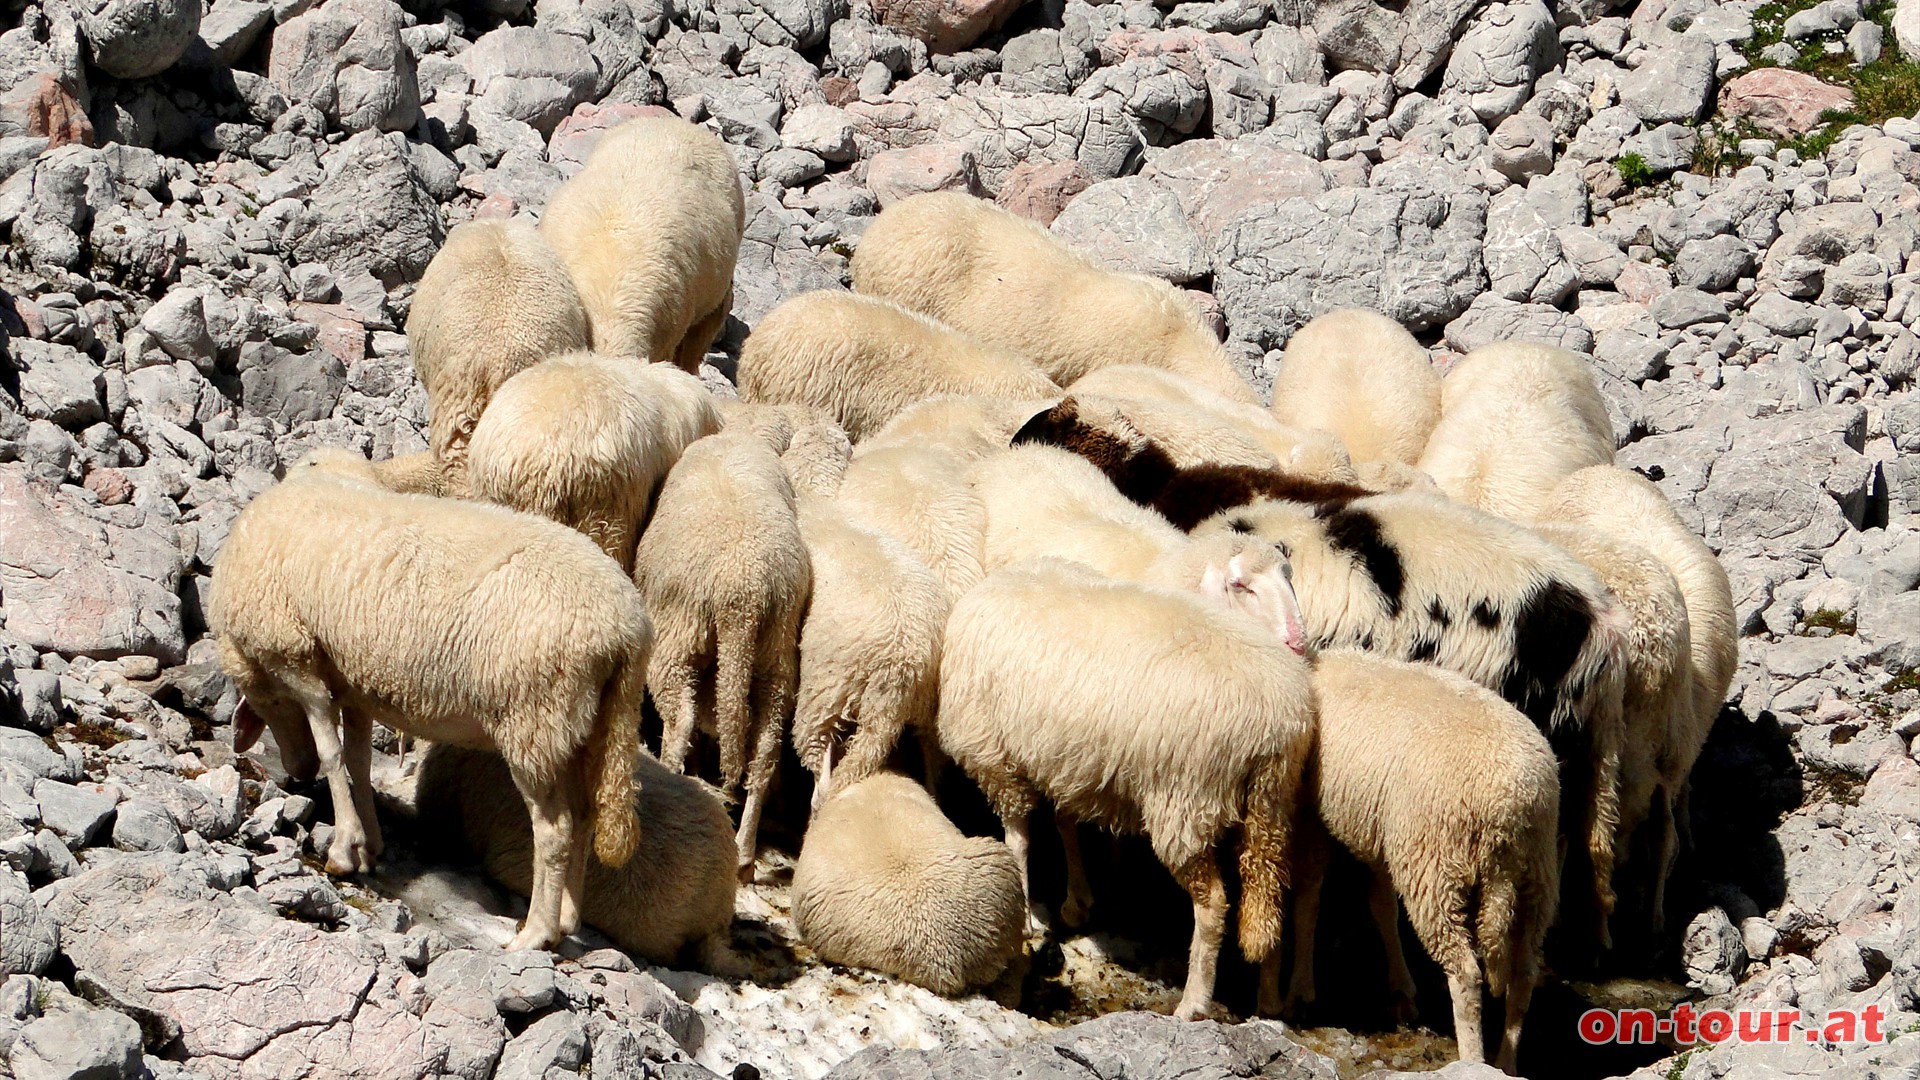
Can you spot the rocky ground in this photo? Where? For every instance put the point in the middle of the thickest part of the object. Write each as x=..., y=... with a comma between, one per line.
x=214, y=219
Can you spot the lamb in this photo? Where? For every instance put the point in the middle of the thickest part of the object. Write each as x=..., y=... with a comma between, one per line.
x=586, y=439
x=1361, y=377
x=1007, y=281
x=1451, y=797
x=725, y=574
x=1091, y=692
x=870, y=642
x=1516, y=418
x=1627, y=506
x=920, y=497
x=495, y=300
x=885, y=881
x=336, y=604
x=650, y=230
x=862, y=360
x=967, y=426
x=671, y=902
x=1302, y=450
x=1423, y=579
x=1144, y=471
x=1657, y=689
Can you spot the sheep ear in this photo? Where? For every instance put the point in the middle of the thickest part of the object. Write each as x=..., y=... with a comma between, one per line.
x=1213, y=585
x=247, y=727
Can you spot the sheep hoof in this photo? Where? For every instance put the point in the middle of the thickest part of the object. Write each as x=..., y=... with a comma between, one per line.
x=1074, y=911
x=1191, y=1010
x=1294, y=1004
x=1036, y=923
x=533, y=936
x=746, y=873
x=346, y=858
x=1403, y=1009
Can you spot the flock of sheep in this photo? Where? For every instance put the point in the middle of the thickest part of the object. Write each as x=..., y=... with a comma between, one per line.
x=1024, y=506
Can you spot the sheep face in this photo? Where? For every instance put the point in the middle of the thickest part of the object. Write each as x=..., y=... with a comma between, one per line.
x=1257, y=580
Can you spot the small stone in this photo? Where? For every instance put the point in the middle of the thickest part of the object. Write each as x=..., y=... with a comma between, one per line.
x=1687, y=306
x=78, y=1044
x=144, y=825
x=133, y=39
x=75, y=814
x=893, y=175
x=822, y=129
x=1782, y=102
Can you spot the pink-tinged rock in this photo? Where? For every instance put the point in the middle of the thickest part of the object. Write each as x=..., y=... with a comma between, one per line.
x=896, y=174
x=110, y=486
x=576, y=136
x=1782, y=102
x=945, y=25
x=1216, y=179
x=32, y=318
x=498, y=207
x=1643, y=284
x=1211, y=313
x=39, y=106
x=62, y=583
x=341, y=332
x=1040, y=190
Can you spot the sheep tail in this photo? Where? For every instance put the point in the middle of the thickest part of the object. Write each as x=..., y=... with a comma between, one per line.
x=611, y=756
x=1265, y=841
x=733, y=691
x=1519, y=873
x=1493, y=926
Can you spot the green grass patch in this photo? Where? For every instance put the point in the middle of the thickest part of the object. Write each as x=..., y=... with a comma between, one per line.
x=1679, y=1067
x=98, y=735
x=1906, y=680
x=1634, y=170
x=1886, y=88
x=1717, y=153
x=1840, y=622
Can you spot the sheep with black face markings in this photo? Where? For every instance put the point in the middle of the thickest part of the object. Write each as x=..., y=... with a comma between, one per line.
x=1516, y=418
x=1420, y=578
x=1057, y=682
x=863, y=360
x=1628, y=507
x=1450, y=797
x=1003, y=279
x=725, y=574
x=336, y=603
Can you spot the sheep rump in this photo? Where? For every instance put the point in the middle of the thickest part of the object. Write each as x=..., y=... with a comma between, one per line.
x=885, y=881
x=1360, y=376
x=650, y=230
x=1003, y=279
x=862, y=360
x=672, y=901
x=335, y=602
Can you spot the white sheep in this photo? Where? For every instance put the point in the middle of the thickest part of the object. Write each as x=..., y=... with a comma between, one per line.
x=1003, y=279
x=965, y=425
x=772, y=424
x=869, y=645
x=1516, y=418
x=862, y=360
x=920, y=497
x=1451, y=798
x=1360, y=376
x=586, y=439
x=885, y=881
x=495, y=300
x=672, y=901
x=336, y=604
x=650, y=230
x=1139, y=708
x=1424, y=579
x=1656, y=665
x=1298, y=449
x=1629, y=507
x=726, y=577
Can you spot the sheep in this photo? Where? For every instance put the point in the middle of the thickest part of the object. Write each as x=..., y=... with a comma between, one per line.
x=1657, y=689
x=495, y=300
x=1005, y=280
x=725, y=574
x=967, y=426
x=1361, y=377
x=862, y=360
x=1135, y=707
x=585, y=439
x=336, y=604
x=1452, y=798
x=772, y=424
x=1629, y=507
x=672, y=901
x=1303, y=450
x=920, y=497
x=1516, y=418
x=816, y=459
x=1147, y=473
x=1420, y=578
x=885, y=881
x=650, y=230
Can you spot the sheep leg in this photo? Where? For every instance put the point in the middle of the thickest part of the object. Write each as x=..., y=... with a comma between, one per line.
x=1465, y=988
x=573, y=895
x=700, y=337
x=766, y=756
x=1386, y=916
x=1665, y=848
x=357, y=752
x=350, y=852
x=553, y=844
x=1201, y=877
x=1079, y=902
x=1309, y=874
x=1019, y=842
x=676, y=687
x=1519, y=996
